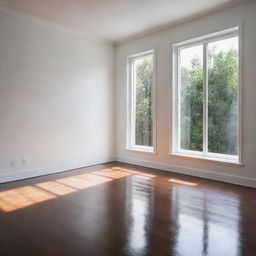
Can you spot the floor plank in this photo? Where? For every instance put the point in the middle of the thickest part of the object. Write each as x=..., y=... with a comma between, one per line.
x=120, y=209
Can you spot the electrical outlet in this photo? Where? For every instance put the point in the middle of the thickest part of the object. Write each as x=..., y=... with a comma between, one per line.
x=18, y=163
x=12, y=163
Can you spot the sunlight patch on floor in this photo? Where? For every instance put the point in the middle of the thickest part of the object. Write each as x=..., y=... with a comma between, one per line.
x=56, y=188
x=113, y=174
x=22, y=197
x=132, y=172
x=83, y=181
x=183, y=182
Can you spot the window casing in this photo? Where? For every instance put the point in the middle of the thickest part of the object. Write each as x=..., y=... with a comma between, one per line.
x=141, y=92
x=206, y=97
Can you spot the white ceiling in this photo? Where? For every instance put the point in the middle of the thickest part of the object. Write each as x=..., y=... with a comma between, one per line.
x=114, y=20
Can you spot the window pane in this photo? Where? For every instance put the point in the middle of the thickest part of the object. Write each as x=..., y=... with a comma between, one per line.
x=191, y=98
x=143, y=76
x=222, y=96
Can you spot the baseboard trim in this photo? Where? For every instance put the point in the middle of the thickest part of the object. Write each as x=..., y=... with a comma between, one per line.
x=228, y=178
x=25, y=174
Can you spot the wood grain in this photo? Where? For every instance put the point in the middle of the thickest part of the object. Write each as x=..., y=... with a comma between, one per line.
x=119, y=209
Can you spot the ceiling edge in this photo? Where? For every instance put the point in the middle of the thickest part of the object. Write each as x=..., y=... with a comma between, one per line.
x=55, y=25
x=176, y=23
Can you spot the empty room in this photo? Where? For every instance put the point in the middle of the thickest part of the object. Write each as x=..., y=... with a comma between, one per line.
x=127, y=128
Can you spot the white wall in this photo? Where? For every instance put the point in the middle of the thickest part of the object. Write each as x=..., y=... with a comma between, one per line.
x=56, y=92
x=246, y=175
x=56, y=98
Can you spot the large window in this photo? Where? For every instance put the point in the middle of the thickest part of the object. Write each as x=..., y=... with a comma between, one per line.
x=206, y=97
x=141, y=90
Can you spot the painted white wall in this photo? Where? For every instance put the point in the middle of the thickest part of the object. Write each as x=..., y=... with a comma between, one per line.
x=56, y=98
x=161, y=41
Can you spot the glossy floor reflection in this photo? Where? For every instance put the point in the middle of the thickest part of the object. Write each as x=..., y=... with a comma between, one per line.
x=118, y=209
x=21, y=197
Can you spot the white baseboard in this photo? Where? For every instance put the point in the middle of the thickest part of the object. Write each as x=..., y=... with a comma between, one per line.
x=25, y=174
x=233, y=179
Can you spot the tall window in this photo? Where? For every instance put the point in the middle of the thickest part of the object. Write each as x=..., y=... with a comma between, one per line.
x=206, y=97
x=141, y=85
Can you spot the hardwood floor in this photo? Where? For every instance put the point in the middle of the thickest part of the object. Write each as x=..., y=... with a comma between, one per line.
x=118, y=209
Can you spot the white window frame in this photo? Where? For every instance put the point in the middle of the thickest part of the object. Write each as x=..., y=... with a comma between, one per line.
x=175, y=147
x=131, y=99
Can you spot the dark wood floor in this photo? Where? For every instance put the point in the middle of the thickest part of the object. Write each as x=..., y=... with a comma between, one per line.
x=117, y=209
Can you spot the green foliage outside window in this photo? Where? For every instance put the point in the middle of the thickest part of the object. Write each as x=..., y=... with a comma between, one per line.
x=143, y=123
x=222, y=103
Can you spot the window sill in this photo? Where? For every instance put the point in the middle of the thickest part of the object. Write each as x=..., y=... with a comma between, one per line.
x=142, y=150
x=229, y=162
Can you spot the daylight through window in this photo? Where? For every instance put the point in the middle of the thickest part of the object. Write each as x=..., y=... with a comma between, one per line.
x=206, y=97
x=141, y=101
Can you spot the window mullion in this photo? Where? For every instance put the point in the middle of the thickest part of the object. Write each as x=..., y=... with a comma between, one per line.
x=205, y=99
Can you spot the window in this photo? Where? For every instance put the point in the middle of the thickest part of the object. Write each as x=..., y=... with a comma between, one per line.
x=206, y=97
x=141, y=92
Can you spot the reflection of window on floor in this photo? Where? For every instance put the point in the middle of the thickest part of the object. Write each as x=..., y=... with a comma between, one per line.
x=140, y=191
x=207, y=222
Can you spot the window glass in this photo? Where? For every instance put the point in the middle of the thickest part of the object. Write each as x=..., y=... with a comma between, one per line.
x=223, y=96
x=191, y=98
x=143, y=69
x=206, y=96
